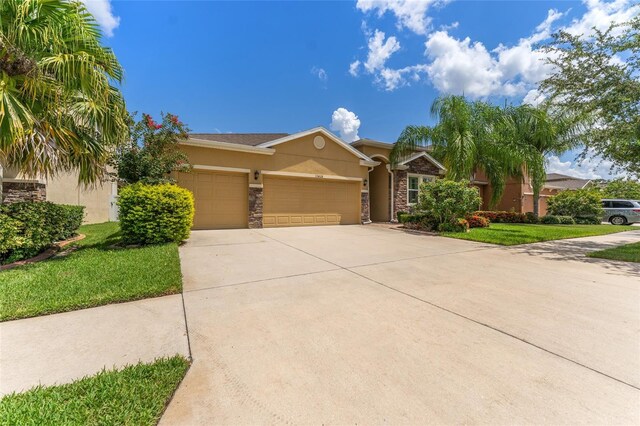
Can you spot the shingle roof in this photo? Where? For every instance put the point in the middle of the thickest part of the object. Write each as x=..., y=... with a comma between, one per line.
x=251, y=139
x=558, y=180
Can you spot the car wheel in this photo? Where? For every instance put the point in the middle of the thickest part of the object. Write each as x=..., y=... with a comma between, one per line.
x=618, y=220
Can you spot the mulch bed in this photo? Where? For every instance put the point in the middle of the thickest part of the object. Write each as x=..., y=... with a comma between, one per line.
x=50, y=252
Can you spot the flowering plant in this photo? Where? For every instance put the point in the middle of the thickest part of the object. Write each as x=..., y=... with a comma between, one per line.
x=152, y=152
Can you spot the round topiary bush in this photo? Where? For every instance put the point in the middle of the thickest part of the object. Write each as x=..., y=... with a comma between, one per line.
x=153, y=214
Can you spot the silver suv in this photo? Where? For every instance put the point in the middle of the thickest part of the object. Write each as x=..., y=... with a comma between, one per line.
x=621, y=212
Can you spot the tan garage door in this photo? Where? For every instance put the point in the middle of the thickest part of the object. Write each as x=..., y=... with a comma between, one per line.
x=221, y=199
x=308, y=202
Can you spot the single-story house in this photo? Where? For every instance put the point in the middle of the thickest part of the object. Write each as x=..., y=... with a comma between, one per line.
x=255, y=180
x=99, y=200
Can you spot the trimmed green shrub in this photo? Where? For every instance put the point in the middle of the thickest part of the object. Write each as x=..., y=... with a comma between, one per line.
x=9, y=235
x=400, y=214
x=72, y=219
x=420, y=221
x=446, y=201
x=530, y=217
x=476, y=221
x=557, y=220
x=459, y=225
x=502, y=216
x=39, y=225
x=581, y=204
x=154, y=214
x=587, y=220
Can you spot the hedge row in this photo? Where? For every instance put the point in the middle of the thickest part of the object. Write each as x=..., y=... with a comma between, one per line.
x=28, y=228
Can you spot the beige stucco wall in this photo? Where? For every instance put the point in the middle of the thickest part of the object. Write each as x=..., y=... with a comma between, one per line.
x=64, y=189
x=296, y=156
x=372, y=151
x=379, y=193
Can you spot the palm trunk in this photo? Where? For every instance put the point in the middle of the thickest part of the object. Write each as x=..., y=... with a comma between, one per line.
x=14, y=62
x=536, y=203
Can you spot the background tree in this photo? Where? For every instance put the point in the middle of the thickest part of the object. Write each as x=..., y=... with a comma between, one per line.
x=59, y=107
x=467, y=138
x=151, y=152
x=620, y=188
x=533, y=133
x=598, y=80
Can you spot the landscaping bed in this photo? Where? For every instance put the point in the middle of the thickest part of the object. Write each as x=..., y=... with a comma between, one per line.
x=508, y=234
x=625, y=253
x=135, y=395
x=99, y=271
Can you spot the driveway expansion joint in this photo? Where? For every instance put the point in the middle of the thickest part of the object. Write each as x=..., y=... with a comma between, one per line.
x=348, y=269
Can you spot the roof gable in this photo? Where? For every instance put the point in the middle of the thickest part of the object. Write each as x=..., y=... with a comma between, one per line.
x=324, y=132
x=425, y=155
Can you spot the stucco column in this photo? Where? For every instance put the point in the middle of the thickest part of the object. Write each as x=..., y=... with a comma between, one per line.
x=255, y=205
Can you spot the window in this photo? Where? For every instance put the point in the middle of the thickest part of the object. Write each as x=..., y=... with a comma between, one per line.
x=621, y=204
x=413, y=186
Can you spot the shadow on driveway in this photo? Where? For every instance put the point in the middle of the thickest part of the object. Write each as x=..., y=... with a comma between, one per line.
x=576, y=250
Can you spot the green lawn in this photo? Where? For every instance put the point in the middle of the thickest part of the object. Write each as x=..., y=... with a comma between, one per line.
x=135, y=395
x=508, y=234
x=626, y=253
x=95, y=274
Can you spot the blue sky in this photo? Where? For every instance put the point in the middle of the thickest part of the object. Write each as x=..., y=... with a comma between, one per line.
x=362, y=69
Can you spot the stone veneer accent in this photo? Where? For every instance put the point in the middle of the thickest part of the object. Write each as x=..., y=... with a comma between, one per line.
x=364, y=209
x=255, y=207
x=420, y=166
x=399, y=192
x=13, y=192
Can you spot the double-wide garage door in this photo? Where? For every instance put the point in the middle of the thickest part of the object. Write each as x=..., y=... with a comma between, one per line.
x=309, y=202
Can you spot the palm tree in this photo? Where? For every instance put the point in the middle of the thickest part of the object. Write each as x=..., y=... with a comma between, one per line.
x=60, y=108
x=466, y=138
x=533, y=133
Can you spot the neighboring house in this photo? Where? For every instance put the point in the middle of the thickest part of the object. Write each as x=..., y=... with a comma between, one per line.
x=99, y=201
x=309, y=178
x=518, y=193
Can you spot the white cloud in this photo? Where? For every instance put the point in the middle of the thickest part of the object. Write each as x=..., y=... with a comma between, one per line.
x=380, y=50
x=592, y=167
x=390, y=79
x=320, y=73
x=600, y=14
x=461, y=65
x=101, y=11
x=533, y=98
x=354, y=68
x=411, y=14
x=346, y=123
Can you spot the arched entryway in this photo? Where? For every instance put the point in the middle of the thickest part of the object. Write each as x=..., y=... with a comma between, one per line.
x=380, y=190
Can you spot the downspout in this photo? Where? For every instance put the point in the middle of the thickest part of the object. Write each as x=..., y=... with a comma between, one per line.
x=392, y=217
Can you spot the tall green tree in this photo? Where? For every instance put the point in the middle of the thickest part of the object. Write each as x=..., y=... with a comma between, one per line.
x=60, y=108
x=533, y=133
x=466, y=138
x=598, y=80
x=151, y=152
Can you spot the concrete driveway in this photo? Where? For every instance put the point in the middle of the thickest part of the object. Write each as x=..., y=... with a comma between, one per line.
x=369, y=325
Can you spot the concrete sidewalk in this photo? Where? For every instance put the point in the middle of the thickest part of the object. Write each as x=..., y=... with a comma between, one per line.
x=60, y=348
